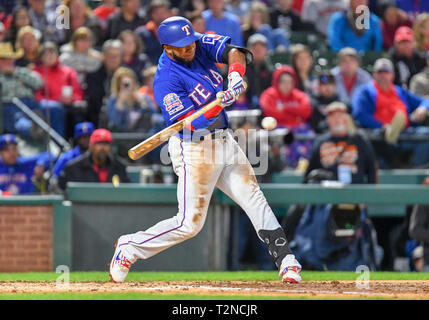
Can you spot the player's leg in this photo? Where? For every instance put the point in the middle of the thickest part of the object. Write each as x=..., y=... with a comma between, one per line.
x=238, y=181
x=195, y=186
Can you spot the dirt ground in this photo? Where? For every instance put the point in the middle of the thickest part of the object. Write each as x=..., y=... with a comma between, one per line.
x=312, y=289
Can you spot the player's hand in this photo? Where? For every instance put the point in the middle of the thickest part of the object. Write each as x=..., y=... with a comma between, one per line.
x=236, y=83
x=228, y=97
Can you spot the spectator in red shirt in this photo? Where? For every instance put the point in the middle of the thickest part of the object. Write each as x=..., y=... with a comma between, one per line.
x=288, y=105
x=61, y=88
x=291, y=108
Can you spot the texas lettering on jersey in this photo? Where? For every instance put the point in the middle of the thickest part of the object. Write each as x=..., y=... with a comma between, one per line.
x=180, y=88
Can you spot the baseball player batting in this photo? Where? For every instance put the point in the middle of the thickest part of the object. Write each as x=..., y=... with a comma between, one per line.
x=187, y=79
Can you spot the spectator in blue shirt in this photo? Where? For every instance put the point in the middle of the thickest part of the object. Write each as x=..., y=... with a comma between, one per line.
x=82, y=132
x=18, y=173
x=223, y=22
x=349, y=29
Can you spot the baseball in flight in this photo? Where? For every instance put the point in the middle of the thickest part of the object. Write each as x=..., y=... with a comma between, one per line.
x=269, y=123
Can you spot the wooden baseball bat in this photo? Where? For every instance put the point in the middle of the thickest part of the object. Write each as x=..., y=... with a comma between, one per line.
x=154, y=141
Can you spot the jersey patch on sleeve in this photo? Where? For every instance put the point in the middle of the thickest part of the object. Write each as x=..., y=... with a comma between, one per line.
x=172, y=103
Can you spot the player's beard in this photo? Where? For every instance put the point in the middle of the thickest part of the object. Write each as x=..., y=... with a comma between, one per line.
x=184, y=61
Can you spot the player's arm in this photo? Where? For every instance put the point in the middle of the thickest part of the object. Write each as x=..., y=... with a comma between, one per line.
x=237, y=59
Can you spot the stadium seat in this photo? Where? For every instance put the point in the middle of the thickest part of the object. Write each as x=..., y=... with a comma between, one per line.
x=281, y=57
x=313, y=40
x=325, y=59
x=368, y=59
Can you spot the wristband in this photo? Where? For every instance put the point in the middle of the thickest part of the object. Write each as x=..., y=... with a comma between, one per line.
x=238, y=67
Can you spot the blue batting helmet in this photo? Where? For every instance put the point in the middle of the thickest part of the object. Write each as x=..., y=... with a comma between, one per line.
x=177, y=32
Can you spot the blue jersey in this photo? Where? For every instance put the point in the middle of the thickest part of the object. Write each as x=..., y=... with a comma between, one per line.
x=179, y=88
x=64, y=159
x=17, y=178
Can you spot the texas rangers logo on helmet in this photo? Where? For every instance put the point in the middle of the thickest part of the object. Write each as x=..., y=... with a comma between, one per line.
x=186, y=29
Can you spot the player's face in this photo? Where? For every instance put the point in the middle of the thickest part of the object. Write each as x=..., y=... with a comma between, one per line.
x=9, y=154
x=183, y=54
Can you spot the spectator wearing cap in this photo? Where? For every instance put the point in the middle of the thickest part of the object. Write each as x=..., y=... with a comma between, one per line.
x=380, y=104
x=158, y=11
x=82, y=133
x=346, y=29
x=19, y=82
x=17, y=174
x=348, y=155
x=325, y=95
x=257, y=20
x=348, y=75
x=291, y=108
x=259, y=73
x=126, y=18
x=61, y=92
x=419, y=84
x=220, y=21
x=98, y=164
x=405, y=57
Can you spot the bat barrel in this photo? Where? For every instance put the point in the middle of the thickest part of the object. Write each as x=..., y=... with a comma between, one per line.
x=133, y=154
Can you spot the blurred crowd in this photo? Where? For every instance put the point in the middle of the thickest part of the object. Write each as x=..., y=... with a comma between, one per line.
x=347, y=79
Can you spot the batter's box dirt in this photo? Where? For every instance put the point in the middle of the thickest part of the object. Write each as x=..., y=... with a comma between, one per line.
x=418, y=289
